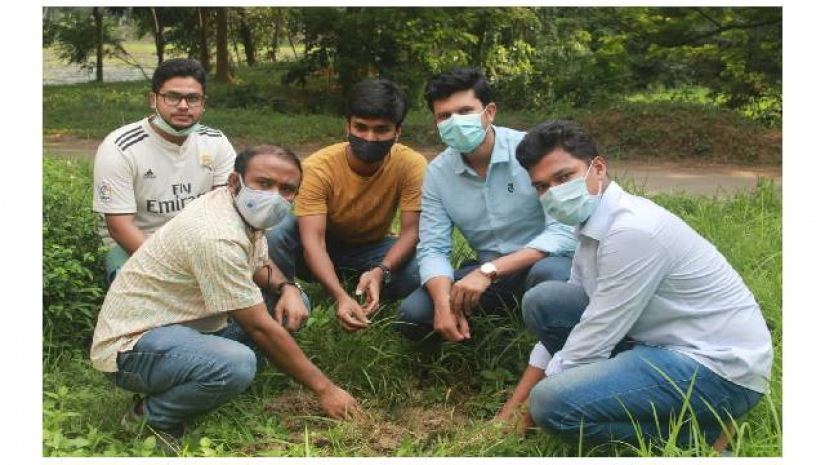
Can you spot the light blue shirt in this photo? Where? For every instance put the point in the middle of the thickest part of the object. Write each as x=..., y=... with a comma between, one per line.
x=651, y=277
x=497, y=215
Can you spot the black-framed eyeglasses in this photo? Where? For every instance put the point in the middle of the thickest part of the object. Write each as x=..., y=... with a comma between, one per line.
x=173, y=99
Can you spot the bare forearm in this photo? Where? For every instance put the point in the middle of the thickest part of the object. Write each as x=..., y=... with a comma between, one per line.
x=529, y=379
x=517, y=261
x=439, y=289
x=130, y=237
x=401, y=251
x=323, y=270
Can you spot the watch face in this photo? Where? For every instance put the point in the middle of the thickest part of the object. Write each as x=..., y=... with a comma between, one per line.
x=488, y=268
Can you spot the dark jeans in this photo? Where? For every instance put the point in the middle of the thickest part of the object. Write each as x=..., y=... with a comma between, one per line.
x=349, y=260
x=415, y=319
x=610, y=399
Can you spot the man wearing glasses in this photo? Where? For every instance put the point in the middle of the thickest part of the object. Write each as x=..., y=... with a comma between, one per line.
x=147, y=171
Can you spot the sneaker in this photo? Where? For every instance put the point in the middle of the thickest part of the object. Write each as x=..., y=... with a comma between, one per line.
x=167, y=440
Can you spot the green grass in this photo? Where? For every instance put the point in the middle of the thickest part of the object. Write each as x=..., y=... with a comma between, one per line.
x=258, y=108
x=418, y=405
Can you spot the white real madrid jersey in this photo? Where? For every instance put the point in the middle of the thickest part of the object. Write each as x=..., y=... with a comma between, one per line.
x=138, y=172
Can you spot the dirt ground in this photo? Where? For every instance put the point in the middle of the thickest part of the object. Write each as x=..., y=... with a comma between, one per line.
x=657, y=177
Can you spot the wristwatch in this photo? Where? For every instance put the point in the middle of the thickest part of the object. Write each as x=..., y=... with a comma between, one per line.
x=489, y=270
x=387, y=272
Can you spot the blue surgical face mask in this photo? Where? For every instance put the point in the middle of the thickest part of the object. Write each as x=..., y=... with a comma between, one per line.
x=463, y=132
x=571, y=203
x=161, y=123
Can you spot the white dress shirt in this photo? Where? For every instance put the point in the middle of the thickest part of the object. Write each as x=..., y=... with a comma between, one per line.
x=651, y=277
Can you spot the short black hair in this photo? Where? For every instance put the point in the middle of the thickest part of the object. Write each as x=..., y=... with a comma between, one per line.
x=553, y=134
x=178, y=67
x=455, y=80
x=376, y=98
x=242, y=159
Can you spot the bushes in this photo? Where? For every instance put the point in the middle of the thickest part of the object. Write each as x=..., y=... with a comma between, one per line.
x=73, y=277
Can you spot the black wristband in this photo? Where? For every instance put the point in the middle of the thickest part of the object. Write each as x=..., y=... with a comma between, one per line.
x=280, y=286
x=387, y=272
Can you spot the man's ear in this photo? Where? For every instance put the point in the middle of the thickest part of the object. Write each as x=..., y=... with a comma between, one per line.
x=600, y=164
x=232, y=181
x=153, y=100
x=491, y=111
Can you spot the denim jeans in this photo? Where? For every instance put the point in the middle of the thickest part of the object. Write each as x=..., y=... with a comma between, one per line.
x=609, y=399
x=415, y=319
x=349, y=260
x=114, y=260
x=183, y=372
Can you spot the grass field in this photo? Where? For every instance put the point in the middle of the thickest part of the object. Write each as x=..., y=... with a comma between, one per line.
x=417, y=405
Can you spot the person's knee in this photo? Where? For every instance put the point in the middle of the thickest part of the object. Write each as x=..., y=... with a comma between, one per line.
x=549, y=269
x=238, y=366
x=551, y=410
x=553, y=304
x=539, y=302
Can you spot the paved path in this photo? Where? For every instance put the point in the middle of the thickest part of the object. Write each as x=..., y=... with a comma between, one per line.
x=657, y=177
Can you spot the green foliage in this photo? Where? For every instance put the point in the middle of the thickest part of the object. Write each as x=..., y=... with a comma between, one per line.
x=73, y=285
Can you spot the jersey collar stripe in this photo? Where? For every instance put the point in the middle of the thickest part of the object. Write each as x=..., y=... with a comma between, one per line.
x=131, y=131
x=132, y=137
x=144, y=136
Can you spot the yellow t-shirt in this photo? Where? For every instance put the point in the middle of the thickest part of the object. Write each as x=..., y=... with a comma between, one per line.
x=360, y=209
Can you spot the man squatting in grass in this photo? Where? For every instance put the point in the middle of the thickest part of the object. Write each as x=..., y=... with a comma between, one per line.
x=651, y=311
x=180, y=321
x=477, y=185
x=346, y=206
x=146, y=172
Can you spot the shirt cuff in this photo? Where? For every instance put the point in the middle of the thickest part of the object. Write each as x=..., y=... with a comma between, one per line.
x=539, y=357
x=561, y=243
x=433, y=267
x=554, y=367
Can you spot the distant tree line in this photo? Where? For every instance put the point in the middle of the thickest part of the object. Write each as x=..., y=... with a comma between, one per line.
x=533, y=55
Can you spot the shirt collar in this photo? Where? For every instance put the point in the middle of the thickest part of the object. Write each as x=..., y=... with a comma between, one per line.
x=501, y=153
x=599, y=222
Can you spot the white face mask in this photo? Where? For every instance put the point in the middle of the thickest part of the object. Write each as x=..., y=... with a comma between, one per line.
x=261, y=209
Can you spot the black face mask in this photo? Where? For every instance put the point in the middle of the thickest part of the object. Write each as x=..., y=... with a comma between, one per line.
x=369, y=151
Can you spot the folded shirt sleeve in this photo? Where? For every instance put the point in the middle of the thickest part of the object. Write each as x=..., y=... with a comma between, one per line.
x=556, y=239
x=539, y=357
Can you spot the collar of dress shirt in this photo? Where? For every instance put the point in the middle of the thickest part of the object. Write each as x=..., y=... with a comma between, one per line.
x=599, y=222
x=500, y=154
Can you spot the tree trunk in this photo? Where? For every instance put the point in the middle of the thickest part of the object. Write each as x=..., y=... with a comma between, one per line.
x=222, y=72
x=160, y=40
x=246, y=39
x=98, y=14
x=276, y=36
x=204, y=42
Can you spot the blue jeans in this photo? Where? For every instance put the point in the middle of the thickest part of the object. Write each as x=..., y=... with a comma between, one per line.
x=349, y=260
x=183, y=372
x=114, y=260
x=608, y=399
x=415, y=319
